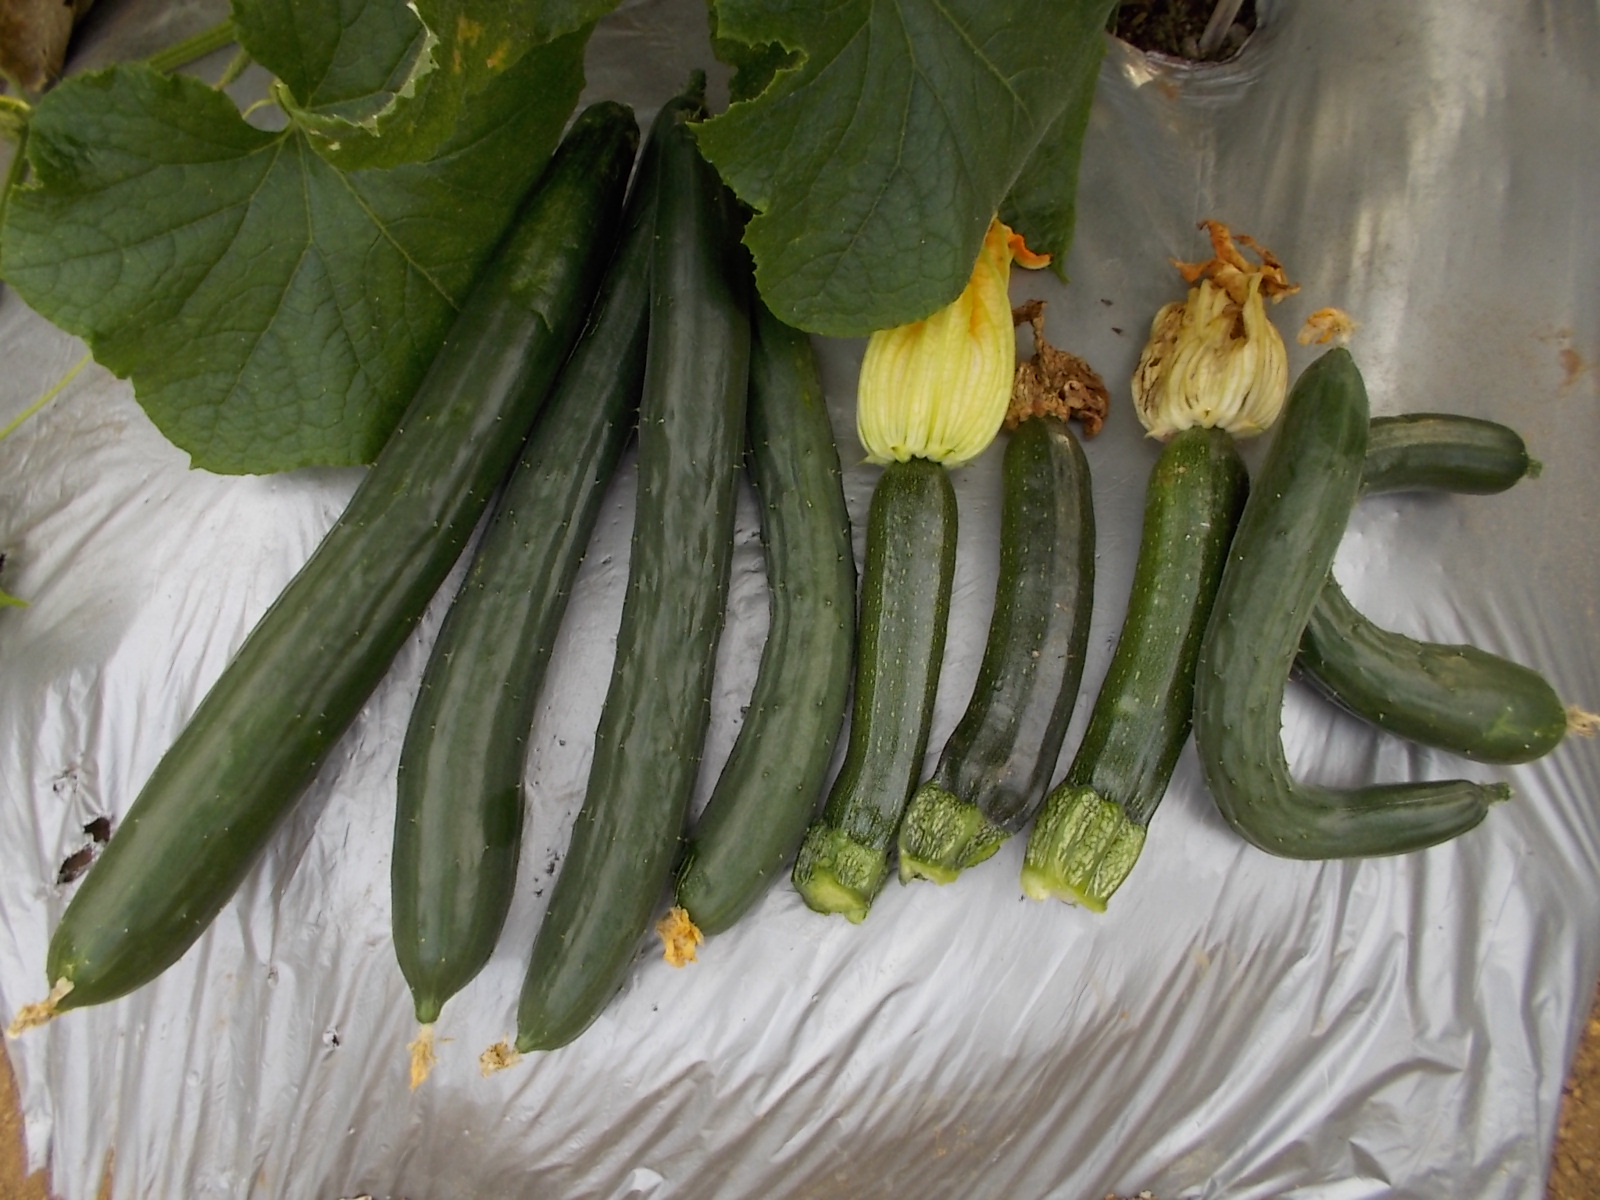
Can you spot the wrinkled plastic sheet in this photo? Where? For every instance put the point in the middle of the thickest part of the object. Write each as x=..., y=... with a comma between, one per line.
x=1236, y=1025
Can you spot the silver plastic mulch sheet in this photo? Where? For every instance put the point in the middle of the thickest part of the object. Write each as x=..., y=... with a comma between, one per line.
x=1235, y=1025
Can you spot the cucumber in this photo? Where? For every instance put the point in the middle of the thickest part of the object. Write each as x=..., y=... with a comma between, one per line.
x=996, y=764
x=774, y=776
x=1092, y=826
x=1443, y=452
x=900, y=632
x=297, y=682
x=459, y=802
x=653, y=724
x=1453, y=697
x=1287, y=535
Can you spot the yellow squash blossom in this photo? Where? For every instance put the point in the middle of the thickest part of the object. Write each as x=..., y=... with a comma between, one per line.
x=938, y=388
x=1214, y=358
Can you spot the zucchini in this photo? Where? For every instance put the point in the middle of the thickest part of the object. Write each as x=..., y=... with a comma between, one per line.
x=266, y=725
x=459, y=801
x=770, y=785
x=653, y=724
x=995, y=767
x=1092, y=826
x=900, y=632
x=1287, y=535
x=1452, y=697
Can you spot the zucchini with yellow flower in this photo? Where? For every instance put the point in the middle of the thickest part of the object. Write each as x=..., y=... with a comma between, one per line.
x=931, y=395
x=993, y=770
x=1214, y=368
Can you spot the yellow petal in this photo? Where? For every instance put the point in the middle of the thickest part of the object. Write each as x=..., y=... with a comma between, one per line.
x=1215, y=359
x=938, y=388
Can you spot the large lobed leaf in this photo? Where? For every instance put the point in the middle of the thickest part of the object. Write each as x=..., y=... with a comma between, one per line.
x=272, y=310
x=875, y=164
x=382, y=82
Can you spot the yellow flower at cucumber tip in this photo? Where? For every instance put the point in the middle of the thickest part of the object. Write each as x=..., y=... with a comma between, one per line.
x=1215, y=358
x=938, y=388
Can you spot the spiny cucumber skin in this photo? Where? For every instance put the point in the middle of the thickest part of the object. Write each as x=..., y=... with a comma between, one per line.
x=1280, y=557
x=265, y=727
x=768, y=789
x=626, y=836
x=459, y=798
x=1453, y=697
x=1443, y=452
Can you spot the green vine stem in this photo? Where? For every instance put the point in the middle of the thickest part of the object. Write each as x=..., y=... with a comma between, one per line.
x=55, y=390
x=197, y=46
x=14, y=170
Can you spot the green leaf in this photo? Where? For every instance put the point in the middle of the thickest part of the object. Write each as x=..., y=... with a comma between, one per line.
x=271, y=310
x=377, y=83
x=1043, y=204
x=875, y=165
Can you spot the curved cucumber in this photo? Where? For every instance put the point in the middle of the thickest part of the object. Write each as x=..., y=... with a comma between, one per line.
x=1092, y=826
x=1453, y=697
x=1281, y=552
x=459, y=801
x=905, y=604
x=769, y=787
x=653, y=724
x=299, y=679
x=998, y=760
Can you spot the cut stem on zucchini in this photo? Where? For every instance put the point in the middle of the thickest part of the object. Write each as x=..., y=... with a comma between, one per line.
x=995, y=767
x=905, y=604
x=1093, y=824
x=930, y=394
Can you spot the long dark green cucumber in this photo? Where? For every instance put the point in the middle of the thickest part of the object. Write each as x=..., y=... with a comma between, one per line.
x=905, y=604
x=459, y=804
x=769, y=787
x=997, y=762
x=303, y=673
x=1453, y=697
x=1285, y=543
x=652, y=728
x=1092, y=826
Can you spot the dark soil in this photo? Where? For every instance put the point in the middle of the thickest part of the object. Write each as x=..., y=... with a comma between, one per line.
x=1176, y=27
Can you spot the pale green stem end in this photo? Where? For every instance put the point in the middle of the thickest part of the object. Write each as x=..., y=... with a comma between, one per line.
x=1081, y=849
x=942, y=835
x=836, y=874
